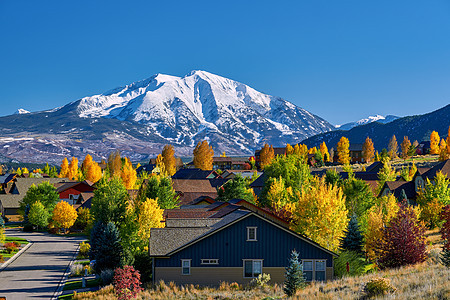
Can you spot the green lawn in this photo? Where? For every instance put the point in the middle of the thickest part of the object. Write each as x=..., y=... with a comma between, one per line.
x=66, y=297
x=14, y=225
x=84, y=262
x=16, y=239
x=76, y=284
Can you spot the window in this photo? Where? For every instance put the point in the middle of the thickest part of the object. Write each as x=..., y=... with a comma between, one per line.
x=314, y=270
x=320, y=270
x=252, y=268
x=251, y=234
x=186, y=267
x=209, y=261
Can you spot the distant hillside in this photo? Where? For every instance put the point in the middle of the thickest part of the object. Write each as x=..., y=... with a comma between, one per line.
x=417, y=127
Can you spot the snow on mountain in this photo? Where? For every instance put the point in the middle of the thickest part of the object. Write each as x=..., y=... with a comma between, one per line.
x=370, y=119
x=21, y=111
x=183, y=109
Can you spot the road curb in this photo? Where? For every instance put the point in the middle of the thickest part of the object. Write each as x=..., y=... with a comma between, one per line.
x=63, y=280
x=15, y=256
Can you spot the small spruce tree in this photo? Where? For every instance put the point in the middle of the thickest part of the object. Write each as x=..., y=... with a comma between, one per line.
x=294, y=275
x=353, y=239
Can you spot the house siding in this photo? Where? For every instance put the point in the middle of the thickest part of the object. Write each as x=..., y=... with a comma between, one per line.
x=230, y=247
x=76, y=190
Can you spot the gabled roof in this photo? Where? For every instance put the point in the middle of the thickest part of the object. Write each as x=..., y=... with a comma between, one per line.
x=168, y=241
x=354, y=147
x=443, y=166
x=218, y=182
x=188, y=198
x=259, y=182
x=193, y=186
x=396, y=188
x=10, y=200
x=61, y=187
x=23, y=184
x=374, y=167
x=194, y=174
x=177, y=213
x=4, y=179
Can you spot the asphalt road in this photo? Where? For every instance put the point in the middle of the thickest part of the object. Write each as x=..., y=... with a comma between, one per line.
x=37, y=273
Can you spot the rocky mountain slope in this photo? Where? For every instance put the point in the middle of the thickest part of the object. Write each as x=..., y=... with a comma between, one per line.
x=370, y=119
x=140, y=118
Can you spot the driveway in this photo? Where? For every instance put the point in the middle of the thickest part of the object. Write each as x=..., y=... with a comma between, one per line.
x=37, y=273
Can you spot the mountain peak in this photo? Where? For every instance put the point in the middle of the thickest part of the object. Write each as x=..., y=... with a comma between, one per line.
x=21, y=111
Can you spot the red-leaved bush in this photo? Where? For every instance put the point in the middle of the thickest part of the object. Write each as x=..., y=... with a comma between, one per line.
x=404, y=240
x=445, y=230
x=10, y=247
x=127, y=283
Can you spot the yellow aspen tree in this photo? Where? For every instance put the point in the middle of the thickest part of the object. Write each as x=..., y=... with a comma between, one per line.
x=73, y=169
x=319, y=212
x=93, y=172
x=160, y=165
x=324, y=152
x=368, y=150
x=289, y=149
x=168, y=154
x=86, y=162
x=128, y=174
x=266, y=155
x=64, y=215
x=115, y=163
x=64, y=168
x=343, y=151
x=393, y=147
x=150, y=216
x=278, y=194
x=203, y=156
x=223, y=154
x=443, y=155
x=374, y=234
x=434, y=142
x=301, y=150
x=405, y=145
x=25, y=170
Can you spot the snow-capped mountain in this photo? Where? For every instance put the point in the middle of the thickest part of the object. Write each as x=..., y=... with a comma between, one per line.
x=21, y=111
x=141, y=117
x=370, y=119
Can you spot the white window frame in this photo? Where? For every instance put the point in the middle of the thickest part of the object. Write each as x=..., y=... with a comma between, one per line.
x=209, y=261
x=314, y=261
x=255, y=239
x=253, y=267
x=189, y=266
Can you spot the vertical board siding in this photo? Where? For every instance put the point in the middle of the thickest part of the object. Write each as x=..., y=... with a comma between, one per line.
x=229, y=245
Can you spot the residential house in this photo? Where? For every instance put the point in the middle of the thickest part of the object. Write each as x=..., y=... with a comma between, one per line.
x=230, y=174
x=195, y=173
x=6, y=181
x=232, y=243
x=72, y=191
x=423, y=148
x=189, y=190
x=230, y=163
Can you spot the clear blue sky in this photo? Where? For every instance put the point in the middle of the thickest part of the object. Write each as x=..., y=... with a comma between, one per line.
x=341, y=60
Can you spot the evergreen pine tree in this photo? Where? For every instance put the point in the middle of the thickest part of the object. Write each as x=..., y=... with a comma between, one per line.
x=109, y=251
x=95, y=239
x=294, y=275
x=353, y=239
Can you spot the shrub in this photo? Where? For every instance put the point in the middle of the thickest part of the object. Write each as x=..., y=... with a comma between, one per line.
x=10, y=247
x=357, y=264
x=260, y=281
x=2, y=260
x=16, y=243
x=84, y=249
x=106, y=276
x=127, y=283
x=235, y=286
x=378, y=286
x=28, y=227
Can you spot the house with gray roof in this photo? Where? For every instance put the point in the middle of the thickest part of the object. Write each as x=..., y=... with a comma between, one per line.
x=235, y=244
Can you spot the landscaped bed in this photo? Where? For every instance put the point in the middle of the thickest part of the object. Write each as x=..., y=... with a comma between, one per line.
x=10, y=247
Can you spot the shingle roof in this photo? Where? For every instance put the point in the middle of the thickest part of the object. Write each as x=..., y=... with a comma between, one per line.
x=443, y=167
x=163, y=241
x=259, y=182
x=375, y=167
x=188, y=198
x=179, y=223
x=188, y=213
x=23, y=184
x=10, y=200
x=6, y=178
x=396, y=188
x=193, y=186
x=218, y=182
x=193, y=174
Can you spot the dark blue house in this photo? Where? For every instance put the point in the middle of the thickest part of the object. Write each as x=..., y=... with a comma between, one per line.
x=236, y=247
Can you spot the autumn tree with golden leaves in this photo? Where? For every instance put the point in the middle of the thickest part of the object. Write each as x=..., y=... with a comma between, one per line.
x=405, y=145
x=368, y=150
x=443, y=154
x=128, y=174
x=434, y=142
x=64, y=168
x=319, y=212
x=168, y=154
x=64, y=215
x=266, y=155
x=324, y=152
x=73, y=169
x=115, y=164
x=203, y=156
x=343, y=151
x=393, y=147
x=150, y=216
